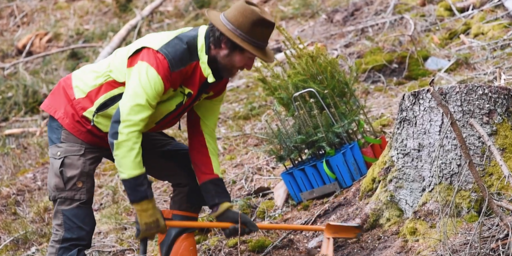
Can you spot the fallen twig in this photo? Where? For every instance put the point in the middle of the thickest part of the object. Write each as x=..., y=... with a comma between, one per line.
x=19, y=131
x=471, y=3
x=368, y=24
x=8, y=65
x=500, y=243
x=504, y=205
x=125, y=30
x=454, y=9
x=10, y=239
x=467, y=156
x=494, y=150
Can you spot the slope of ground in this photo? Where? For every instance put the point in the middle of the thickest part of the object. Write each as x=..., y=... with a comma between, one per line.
x=388, y=40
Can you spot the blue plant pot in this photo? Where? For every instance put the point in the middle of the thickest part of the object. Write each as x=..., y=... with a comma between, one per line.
x=351, y=162
x=292, y=185
x=358, y=156
x=323, y=173
x=302, y=179
x=337, y=165
x=314, y=176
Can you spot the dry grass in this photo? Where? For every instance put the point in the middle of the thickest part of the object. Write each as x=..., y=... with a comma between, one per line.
x=24, y=209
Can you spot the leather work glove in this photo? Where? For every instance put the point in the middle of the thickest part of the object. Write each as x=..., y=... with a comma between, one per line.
x=224, y=213
x=150, y=220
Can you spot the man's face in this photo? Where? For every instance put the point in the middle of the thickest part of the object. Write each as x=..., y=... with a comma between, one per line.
x=230, y=62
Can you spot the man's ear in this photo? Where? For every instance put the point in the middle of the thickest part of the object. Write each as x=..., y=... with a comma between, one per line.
x=223, y=44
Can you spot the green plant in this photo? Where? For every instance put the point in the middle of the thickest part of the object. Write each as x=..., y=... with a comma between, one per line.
x=325, y=116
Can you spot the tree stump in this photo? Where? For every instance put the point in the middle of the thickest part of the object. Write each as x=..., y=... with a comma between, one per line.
x=424, y=148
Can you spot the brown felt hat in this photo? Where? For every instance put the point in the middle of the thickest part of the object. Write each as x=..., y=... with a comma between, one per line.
x=248, y=25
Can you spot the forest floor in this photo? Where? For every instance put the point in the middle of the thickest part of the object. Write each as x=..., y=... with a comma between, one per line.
x=390, y=42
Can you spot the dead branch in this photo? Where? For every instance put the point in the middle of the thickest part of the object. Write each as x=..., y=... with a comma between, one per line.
x=370, y=23
x=8, y=65
x=10, y=239
x=19, y=131
x=494, y=150
x=467, y=156
x=500, y=243
x=467, y=4
x=125, y=30
x=504, y=205
x=454, y=9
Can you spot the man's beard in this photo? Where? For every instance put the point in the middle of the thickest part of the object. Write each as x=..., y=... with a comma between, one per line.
x=219, y=70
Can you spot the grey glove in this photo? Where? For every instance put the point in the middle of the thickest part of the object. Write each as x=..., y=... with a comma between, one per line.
x=224, y=213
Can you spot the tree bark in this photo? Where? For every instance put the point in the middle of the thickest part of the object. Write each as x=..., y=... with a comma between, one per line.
x=465, y=153
x=425, y=150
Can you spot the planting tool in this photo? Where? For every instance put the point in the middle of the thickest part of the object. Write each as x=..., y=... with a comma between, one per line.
x=331, y=230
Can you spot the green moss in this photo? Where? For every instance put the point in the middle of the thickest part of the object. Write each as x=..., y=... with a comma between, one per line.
x=232, y=242
x=23, y=172
x=489, y=31
x=305, y=205
x=416, y=69
x=230, y=157
x=244, y=206
x=122, y=6
x=403, y=8
x=443, y=194
x=391, y=215
x=386, y=214
x=444, y=10
x=472, y=217
x=453, y=33
x=213, y=241
x=377, y=60
x=265, y=208
x=473, y=28
x=372, y=179
x=382, y=122
x=414, y=228
x=379, y=88
x=201, y=238
x=259, y=245
x=493, y=177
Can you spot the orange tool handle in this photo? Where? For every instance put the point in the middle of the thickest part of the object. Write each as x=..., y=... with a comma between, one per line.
x=195, y=224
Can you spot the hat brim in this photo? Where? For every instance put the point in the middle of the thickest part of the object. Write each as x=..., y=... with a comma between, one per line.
x=266, y=54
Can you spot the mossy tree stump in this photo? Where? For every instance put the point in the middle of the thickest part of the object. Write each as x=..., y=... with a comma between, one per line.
x=424, y=149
